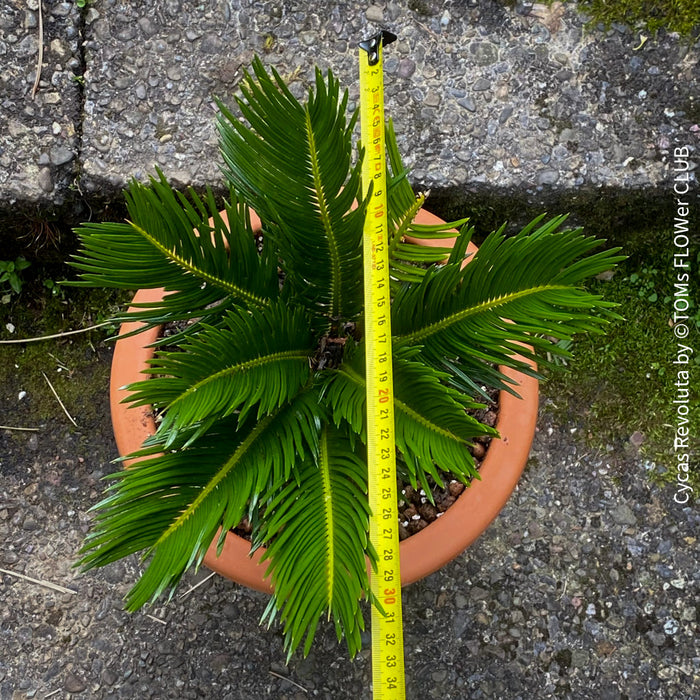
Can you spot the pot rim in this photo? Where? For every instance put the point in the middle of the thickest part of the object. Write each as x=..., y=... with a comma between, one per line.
x=422, y=553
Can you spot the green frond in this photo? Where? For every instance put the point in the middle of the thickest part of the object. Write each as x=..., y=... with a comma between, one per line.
x=315, y=530
x=433, y=430
x=172, y=505
x=515, y=290
x=169, y=243
x=257, y=359
x=293, y=165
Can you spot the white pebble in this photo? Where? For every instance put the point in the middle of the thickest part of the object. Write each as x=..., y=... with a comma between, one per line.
x=671, y=626
x=21, y=395
x=10, y=327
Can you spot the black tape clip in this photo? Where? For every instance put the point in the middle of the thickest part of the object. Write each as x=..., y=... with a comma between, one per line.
x=371, y=45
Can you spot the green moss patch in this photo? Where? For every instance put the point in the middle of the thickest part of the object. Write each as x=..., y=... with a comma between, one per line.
x=77, y=366
x=621, y=388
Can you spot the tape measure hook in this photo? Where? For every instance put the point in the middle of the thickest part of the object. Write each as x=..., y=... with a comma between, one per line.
x=371, y=45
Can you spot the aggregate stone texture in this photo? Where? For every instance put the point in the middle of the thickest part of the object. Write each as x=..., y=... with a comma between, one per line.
x=585, y=587
x=484, y=96
x=39, y=134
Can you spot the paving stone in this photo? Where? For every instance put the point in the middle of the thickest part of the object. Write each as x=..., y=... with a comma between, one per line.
x=39, y=139
x=152, y=71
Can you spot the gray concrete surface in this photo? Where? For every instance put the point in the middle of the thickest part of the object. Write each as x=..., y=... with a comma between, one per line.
x=40, y=133
x=520, y=104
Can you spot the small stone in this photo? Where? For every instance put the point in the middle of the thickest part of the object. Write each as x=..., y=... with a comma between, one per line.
x=374, y=13
x=671, y=626
x=22, y=394
x=45, y=180
x=637, y=438
x=468, y=104
x=212, y=44
x=485, y=53
x=505, y=114
x=432, y=99
x=109, y=677
x=61, y=155
x=406, y=68
x=689, y=614
x=481, y=84
x=10, y=327
x=579, y=658
x=73, y=684
x=455, y=488
x=547, y=177
x=622, y=514
x=9, y=558
x=656, y=638
x=148, y=27
x=30, y=524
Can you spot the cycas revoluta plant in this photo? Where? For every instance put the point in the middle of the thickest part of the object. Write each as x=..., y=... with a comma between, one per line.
x=261, y=397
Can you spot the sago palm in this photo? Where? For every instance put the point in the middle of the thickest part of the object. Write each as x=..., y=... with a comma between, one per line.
x=261, y=393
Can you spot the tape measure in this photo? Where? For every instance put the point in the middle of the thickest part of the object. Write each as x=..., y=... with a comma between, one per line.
x=387, y=627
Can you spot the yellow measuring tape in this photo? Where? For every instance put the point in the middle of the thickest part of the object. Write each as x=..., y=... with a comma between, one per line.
x=387, y=629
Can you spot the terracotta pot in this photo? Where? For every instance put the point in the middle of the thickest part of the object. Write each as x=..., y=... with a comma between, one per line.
x=422, y=553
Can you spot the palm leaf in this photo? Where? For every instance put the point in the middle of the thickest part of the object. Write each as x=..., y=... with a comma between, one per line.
x=315, y=531
x=433, y=430
x=169, y=243
x=172, y=505
x=515, y=291
x=293, y=166
x=254, y=359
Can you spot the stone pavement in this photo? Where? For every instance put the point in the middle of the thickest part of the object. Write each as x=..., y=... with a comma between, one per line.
x=509, y=108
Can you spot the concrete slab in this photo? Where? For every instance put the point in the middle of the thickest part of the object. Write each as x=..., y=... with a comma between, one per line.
x=485, y=98
x=39, y=134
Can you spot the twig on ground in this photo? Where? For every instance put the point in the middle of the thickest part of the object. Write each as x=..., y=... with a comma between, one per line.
x=59, y=363
x=289, y=680
x=40, y=59
x=14, y=427
x=52, y=693
x=58, y=398
x=46, y=584
x=55, y=335
x=156, y=619
x=197, y=585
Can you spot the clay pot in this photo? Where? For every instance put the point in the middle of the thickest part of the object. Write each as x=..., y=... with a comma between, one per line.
x=422, y=553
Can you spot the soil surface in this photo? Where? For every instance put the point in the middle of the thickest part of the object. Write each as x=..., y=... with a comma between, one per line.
x=586, y=585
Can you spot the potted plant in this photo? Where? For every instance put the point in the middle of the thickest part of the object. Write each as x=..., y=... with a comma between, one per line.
x=258, y=393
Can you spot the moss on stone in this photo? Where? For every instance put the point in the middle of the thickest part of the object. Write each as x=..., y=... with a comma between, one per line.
x=77, y=366
x=621, y=386
x=682, y=16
